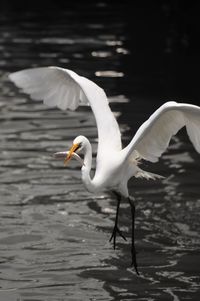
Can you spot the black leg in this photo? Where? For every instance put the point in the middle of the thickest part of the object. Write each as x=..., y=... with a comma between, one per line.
x=116, y=229
x=133, y=251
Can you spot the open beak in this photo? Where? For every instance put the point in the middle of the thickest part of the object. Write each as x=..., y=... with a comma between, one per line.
x=70, y=153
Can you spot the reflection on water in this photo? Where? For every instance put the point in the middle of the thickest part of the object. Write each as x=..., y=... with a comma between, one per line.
x=53, y=234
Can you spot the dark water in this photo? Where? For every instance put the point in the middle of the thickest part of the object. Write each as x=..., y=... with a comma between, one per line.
x=54, y=236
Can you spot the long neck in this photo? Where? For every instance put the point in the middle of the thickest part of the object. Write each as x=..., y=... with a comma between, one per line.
x=87, y=181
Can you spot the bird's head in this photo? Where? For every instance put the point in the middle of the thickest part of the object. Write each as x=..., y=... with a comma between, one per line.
x=78, y=144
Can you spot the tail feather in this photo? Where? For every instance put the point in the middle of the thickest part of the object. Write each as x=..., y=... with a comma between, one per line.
x=147, y=175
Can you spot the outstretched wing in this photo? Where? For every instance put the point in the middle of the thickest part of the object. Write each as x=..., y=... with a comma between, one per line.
x=67, y=90
x=153, y=136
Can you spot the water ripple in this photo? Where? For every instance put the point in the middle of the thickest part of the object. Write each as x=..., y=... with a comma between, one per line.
x=54, y=236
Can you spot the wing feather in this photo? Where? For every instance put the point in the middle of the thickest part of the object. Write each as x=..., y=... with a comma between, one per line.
x=154, y=135
x=67, y=90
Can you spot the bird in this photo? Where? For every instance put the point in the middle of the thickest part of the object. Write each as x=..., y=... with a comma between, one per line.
x=115, y=164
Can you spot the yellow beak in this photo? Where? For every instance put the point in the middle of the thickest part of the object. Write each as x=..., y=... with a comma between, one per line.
x=71, y=151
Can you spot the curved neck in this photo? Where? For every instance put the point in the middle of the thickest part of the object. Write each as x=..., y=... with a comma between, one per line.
x=87, y=181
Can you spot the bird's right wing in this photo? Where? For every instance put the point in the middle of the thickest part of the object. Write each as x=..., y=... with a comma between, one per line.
x=67, y=90
x=154, y=135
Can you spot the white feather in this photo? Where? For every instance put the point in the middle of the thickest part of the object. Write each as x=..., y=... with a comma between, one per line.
x=67, y=90
x=154, y=135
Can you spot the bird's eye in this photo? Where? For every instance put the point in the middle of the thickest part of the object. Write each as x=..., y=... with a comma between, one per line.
x=80, y=145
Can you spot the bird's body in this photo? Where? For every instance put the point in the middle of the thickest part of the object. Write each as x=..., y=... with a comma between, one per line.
x=114, y=165
x=112, y=173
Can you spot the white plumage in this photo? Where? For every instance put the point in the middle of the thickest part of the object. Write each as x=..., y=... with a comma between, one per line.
x=115, y=166
x=154, y=135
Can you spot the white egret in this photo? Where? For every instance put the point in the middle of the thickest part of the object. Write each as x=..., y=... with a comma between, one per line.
x=114, y=165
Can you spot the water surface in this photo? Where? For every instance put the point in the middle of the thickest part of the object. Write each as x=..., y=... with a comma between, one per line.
x=54, y=236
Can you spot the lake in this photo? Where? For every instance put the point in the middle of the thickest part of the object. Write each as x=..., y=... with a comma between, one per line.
x=54, y=235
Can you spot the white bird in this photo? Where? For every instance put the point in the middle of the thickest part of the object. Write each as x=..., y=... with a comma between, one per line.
x=114, y=165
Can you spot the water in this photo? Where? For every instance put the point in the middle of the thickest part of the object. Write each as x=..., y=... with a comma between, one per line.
x=54, y=236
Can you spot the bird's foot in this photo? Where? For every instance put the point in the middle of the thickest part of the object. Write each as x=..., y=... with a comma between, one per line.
x=134, y=259
x=114, y=234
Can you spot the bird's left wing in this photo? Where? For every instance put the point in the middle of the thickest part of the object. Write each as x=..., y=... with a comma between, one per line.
x=154, y=135
x=67, y=90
